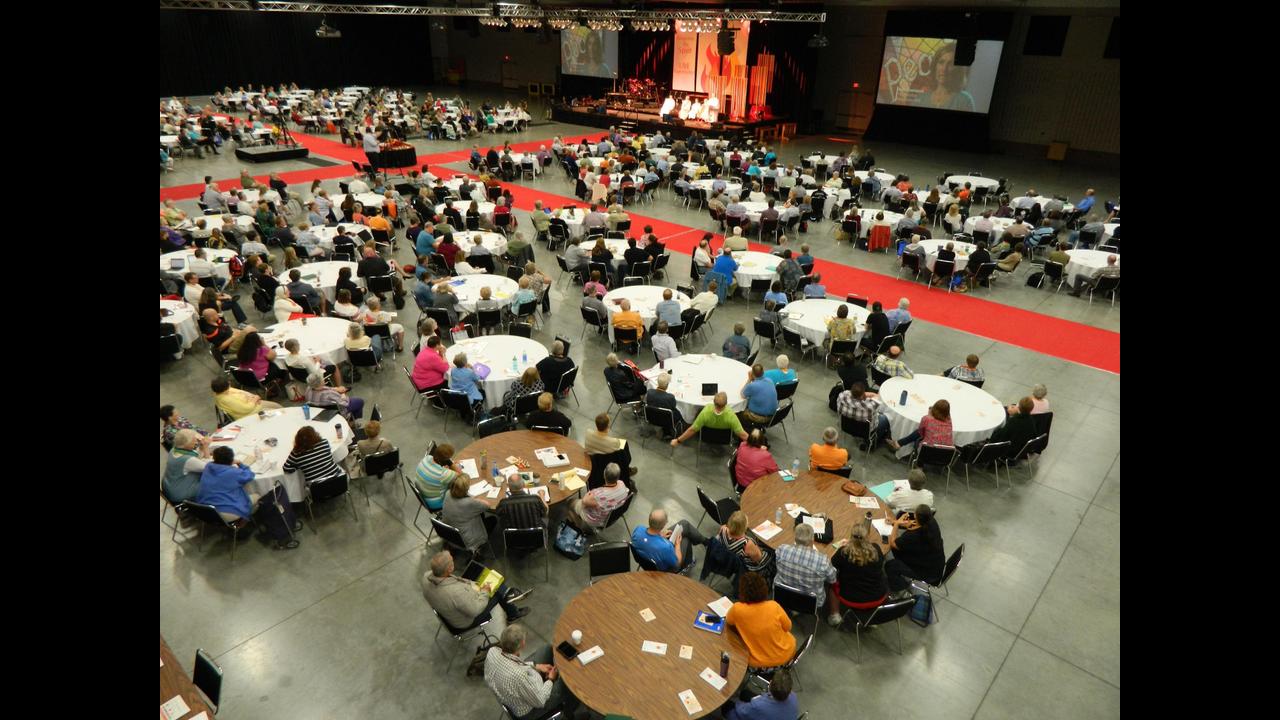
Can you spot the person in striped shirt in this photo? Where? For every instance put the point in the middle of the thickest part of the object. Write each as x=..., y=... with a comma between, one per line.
x=968, y=372
x=434, y=475
x=312, y=455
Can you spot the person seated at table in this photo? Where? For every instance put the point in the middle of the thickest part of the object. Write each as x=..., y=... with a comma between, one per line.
x=1039, y=399
x=320, y=395
x=600, y=253
x=776, y=295
x=463, y=378
x=802, y=567
x=298, y=288
x=626, y=319
x=375, y=315
x=471, y=516
x=778, y=703
x=188, y=456
x=434, y=474
x=1111, y=270
x=312, y=456
x=173, y=422
x=754, y=460
x=653, y=542
x=916, y=542
x=664, y=348
x=891, y=365
x=860, y=576
x=430, y=367
x=934, y=428
x=343, y=307
x=1059, y=254
x=716, y=416
x=737, y=346
x=968, y=372
x=1019, y=428
x=705, y=301
x=529, y=383
x=448, y=249
x=546, y=416
x=789, y=271
x=357, y=340
x=462, y=602
x=735, y=241
x=521, y=509
x=313, y=364
x=223, y=485
x=762, y=624
x=761, y=396
x=876, y=328
x=284, y=307
x=444, y=297
x=1095, y=226
x=291, y=259
x=658, y=397
x=256, y=356
x=860, y=404
x=591, y=512
x=219, y=334
x=783, y=373
x=910, y=493
x=840, y=327
x=828, y=456
x=702, y=255
x=523, y=295
x=594, y=286
x=219, y=302
x=815, y=288
x=532, y=688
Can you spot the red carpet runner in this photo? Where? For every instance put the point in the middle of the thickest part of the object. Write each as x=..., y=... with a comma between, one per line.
x=1072, y=341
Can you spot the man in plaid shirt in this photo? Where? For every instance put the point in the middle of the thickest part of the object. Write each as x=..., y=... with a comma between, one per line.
x=890, y=364
x=804, y=568
x=858, y=404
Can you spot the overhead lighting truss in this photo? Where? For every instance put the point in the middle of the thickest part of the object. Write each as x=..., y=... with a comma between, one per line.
x=555, y=18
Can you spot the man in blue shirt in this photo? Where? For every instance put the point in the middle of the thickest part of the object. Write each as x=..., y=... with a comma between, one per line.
x=780, y=703
x=651, y=177
x=1086, y=204
x=718, y=185
x=898, y=315
x=815, y=288
x=805, y=258
x=770, y=157
x=653, y=543
x=668, y=309
x=726, y=266
x=761, y=396
x=425, y=243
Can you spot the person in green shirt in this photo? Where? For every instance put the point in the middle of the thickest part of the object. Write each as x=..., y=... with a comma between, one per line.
x=716, y=416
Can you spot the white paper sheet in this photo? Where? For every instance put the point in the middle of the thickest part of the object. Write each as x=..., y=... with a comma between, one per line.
x=766, y=530
x=656, y=648
x=722, y=606
x=713, y=678
x=469, y=467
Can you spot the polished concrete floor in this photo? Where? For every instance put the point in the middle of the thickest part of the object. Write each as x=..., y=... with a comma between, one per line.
x=338, y=628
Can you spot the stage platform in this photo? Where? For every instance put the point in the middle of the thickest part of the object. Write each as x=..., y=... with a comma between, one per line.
x=271, y=153
x=649, y=122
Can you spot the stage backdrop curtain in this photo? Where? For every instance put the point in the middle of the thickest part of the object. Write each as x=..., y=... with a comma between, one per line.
x=203, y=51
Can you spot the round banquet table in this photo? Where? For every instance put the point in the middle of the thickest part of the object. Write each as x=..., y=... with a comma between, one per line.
x=644, y=299
x=244, y=222
x=730, y=188
x=629, y=681
x=975, y=414
x=974, y=181
x=484, y=208
x=219, y=259
x=521, y=444
x=495, y=243
x=884, y=177
x=1085, y=262
x=869, y=218
x=836, y=195
x=327, y=233
x=963, y=250
x=323, y=276
x=998, y=226
x=573, y=218
x=282, y=425
x=518, y=159
x=755, y=265
x=809, y=318
x=1108, y=229
x=754, y=209
x=183, y=319
x=817, y=492
x=369, y=199
x=322, y=336
x=467, y=289
x=496, y=351
x=689, y=372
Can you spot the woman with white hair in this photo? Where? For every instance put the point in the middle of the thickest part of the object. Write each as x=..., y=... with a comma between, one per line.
x=357, y=340
x=321, y=395
x=374, y=315
x=783, y=373
x=1039, y=401
x=284, y=307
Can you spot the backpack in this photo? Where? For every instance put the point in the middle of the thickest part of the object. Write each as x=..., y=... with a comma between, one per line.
x=476, y=666
x=235, y=266
x=835, y=393
x=570, y=541
x=922, y=612
x=804, y=226
x=261, y=301
x=1034, y=279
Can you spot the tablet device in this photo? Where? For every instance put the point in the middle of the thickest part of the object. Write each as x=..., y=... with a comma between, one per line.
x=710, y=388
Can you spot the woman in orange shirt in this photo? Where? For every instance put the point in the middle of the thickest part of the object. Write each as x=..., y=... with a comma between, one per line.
x=762, y=623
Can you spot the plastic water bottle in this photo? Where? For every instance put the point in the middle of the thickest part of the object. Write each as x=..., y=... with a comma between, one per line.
x=795, y=467
x=777, y=516
x=515, y=369
x=902, y=399
x=524, y=357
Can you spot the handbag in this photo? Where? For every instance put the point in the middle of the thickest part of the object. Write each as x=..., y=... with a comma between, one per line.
x=855, y=488
x=570, y=541
x=922, y=612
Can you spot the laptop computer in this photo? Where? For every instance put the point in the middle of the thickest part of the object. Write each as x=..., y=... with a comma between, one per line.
x=710, y=389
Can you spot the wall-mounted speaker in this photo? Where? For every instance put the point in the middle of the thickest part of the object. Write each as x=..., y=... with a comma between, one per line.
x=724, y=42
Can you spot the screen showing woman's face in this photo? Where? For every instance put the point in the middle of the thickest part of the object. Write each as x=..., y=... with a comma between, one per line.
x=943, y=65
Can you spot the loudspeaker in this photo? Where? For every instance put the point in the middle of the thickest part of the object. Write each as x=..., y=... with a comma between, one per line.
x=726, y=109
x=966, y=49
x=724, y=42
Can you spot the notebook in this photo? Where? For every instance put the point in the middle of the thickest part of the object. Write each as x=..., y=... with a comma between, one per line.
x=703, y=622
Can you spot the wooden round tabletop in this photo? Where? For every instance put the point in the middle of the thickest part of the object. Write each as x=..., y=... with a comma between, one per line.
x=818, y=493
x=625, y=679
x=521, y=444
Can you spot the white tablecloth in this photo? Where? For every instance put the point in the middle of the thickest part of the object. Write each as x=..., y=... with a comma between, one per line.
x=884, y=177
x=169, y=140
x=327, y=233
x=1107, y=230
x=326, y=276
x=321, y=336
x=869, y=217
x=973, y=180
x=809, y=318
x=836, y=195
x=496, y=243
x=220, y=269
x=963, y=249
x=518, y=159
x=485, y=208
x=573, y=218
x=689, y=372
x=496, y=351
x=730, y=188
x=754, y=265
x=644, y=298
x=998, y=226
x=249, y=195
x=755, y=208
x=1085, y=262
x=367, y=200
x=356, y=89
x=975, y=414
x=468, y=289
x=183, y=319
x=243, y=222
x=282, y=425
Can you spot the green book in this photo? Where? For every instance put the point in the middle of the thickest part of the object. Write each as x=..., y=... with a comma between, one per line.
x=883, y=489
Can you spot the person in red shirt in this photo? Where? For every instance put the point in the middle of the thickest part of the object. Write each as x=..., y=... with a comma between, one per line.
x=935, y=428
x=964, y=192
x=754, y=460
